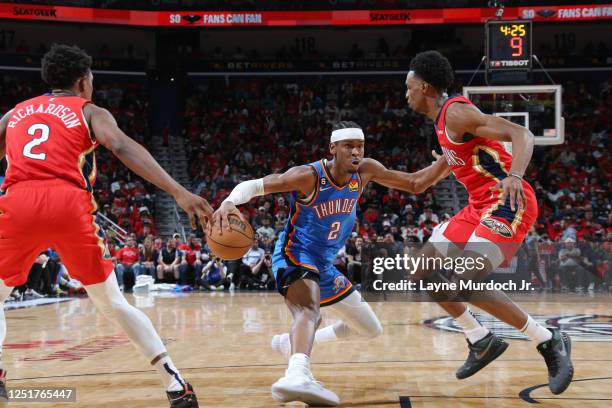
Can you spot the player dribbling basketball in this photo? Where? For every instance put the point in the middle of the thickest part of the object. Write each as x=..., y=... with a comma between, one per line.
x=323, y=212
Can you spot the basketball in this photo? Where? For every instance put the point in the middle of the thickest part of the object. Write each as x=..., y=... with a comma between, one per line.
x=232, y=244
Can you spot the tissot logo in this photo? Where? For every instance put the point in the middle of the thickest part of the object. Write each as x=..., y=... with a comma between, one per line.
x=580, y=327
x=34, y=11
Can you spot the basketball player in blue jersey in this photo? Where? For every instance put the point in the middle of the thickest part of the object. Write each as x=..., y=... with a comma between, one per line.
x=323, y=212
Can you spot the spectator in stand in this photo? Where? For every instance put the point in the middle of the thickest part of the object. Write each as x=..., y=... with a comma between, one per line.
x=33, y=288
x=394, y=247
x=148, y=257
x=266, y=230
x=191, y=263
x=158, y=244
x=573, y=274
x=262, y=273
x=244, y=276
x=214, y=275
x=144, y=232
x=168, y=262
x=428, y=215
x=426, y=230
x=127, y=264
x=178, y=241
x=261, y=215
x=568, y=230
x=354, y=259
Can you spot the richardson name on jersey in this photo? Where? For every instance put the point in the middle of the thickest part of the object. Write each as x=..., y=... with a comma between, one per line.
x=333, y=207
x=63, y=113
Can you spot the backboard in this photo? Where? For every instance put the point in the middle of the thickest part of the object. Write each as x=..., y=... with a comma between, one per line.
x=537, y=107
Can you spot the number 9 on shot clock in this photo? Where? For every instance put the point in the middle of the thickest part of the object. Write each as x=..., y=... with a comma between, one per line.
x=508, y=45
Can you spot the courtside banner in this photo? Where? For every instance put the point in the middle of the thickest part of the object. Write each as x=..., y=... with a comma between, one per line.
x=298, y=18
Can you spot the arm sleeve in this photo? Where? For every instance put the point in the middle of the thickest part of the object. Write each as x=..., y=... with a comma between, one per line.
x=246, y=190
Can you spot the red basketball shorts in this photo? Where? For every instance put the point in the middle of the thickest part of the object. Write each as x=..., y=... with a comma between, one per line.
x=487, y=222
x=37, y=215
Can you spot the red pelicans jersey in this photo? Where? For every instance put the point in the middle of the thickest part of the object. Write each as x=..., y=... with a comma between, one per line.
x=48, y=201
x=478, y=163
x=47, y=138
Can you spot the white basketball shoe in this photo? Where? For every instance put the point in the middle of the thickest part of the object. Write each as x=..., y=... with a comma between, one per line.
x=300, y=385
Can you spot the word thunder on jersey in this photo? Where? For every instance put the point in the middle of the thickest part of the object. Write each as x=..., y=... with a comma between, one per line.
x=318, y=228
x=47, y=138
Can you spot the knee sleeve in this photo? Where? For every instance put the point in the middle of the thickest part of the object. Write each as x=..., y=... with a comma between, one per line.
x=109, y=301
x=358, y=317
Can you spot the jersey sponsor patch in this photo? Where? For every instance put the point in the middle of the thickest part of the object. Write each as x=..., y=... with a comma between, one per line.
x=497, y=227
x=353, y=186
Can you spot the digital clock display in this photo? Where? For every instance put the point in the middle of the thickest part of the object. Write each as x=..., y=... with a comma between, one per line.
x=508, y=45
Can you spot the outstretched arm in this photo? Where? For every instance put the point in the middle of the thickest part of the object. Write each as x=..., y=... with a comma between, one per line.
x=3, y=126
x=463, y=118
x=140, y=161
x=300, y=178
x=372, y=170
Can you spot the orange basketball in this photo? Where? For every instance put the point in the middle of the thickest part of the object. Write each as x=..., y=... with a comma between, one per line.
x=232, y=244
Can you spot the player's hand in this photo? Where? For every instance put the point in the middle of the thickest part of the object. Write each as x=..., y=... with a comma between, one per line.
x=511, y=187
x=196, y=208
x=220, y=216
x=436, y=156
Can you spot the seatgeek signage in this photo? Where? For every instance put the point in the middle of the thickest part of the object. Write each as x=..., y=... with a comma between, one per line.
x=297, y=18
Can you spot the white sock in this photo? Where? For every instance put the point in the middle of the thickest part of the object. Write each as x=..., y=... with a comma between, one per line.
x=172, y=379
x=299, y=363
x=325, y=334
x=535, y=331
x=472, y=328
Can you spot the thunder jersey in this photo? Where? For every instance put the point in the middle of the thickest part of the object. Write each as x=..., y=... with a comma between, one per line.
x=478, y=163
x=47, y=138
x=318, y=228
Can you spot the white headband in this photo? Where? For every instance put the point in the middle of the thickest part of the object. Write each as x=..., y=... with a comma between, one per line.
x=347, y=134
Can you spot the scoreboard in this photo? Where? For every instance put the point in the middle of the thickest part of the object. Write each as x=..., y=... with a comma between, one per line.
x=508, y=45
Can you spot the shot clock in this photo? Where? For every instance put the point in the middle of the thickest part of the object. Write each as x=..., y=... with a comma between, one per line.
x=508, y=45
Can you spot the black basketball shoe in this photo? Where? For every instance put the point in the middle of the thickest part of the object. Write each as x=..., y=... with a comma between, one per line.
x=556, y=353
x=481, y=353
x=3, y=394
x=185, y=398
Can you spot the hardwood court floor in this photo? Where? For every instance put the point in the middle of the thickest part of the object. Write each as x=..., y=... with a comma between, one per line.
x=221, y=343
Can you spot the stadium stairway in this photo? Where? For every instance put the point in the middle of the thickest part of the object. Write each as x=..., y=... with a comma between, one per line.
x=170, y=218
x=450, y=195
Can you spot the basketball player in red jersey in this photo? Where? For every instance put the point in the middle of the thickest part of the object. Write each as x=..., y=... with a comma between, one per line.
x=49, y=143
x=502, y=208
